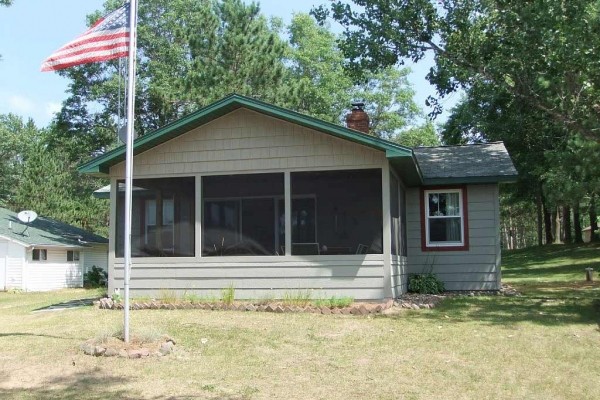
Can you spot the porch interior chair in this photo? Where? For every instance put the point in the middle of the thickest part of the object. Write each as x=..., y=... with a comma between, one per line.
x=306, y=249
x=362, y=249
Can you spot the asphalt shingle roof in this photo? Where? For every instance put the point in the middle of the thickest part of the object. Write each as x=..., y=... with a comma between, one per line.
x=488, y=162
x=45, y=231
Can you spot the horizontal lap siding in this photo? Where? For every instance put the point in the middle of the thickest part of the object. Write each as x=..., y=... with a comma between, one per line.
x=14, y=266
x=361, y=279
x=399, y=275
x=246, y=141
x=54, y=273
x=475, y=269
x=97, y=256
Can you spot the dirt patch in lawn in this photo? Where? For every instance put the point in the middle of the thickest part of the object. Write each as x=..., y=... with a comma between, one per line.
x=136, y=348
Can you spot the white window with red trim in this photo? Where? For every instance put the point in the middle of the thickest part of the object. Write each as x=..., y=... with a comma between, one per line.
x=444, y=218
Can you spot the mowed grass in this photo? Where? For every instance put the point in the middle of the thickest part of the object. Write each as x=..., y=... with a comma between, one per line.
x=545, y=344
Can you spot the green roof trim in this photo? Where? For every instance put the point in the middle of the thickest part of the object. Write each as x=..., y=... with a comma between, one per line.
x=470, y=180
x=101, y=164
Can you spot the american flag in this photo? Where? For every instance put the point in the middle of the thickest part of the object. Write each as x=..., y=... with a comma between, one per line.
x=107, y=39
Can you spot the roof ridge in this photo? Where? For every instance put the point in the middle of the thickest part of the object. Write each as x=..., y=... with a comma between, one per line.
x=459, y=145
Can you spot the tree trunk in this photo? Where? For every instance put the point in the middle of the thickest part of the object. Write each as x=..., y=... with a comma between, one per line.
x=556, y=225
x=547, y=223
x=540, y=218
x=566, y=212
x=577, y=224
x=593, y=220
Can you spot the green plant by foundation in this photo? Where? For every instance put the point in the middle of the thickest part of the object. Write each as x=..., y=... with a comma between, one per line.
x=228, y=294
x=300, y=298
x=167, y=296
x=95, y=277
x=425, y=284
x=334, y=302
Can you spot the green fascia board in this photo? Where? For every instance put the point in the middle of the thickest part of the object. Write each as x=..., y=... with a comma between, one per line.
x=470, y=180
x=407, y=168
x=101, y=164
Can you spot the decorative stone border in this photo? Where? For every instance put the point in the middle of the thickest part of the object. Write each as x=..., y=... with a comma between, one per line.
x=158, y=349
x=354, y=309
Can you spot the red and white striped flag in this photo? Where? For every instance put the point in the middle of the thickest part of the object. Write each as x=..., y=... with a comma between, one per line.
x=107, y=39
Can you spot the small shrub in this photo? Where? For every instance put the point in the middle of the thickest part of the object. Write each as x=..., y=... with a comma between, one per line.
x=301, y=298
x=228, y=294
x=167, y=296
x=142, y=335
x=116, y=296
x=425, y=284
x=95, y=278
x=334, y=302
x=191, y=298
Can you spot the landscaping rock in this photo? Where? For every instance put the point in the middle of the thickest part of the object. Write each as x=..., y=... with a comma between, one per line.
x=87, y=348
x=166, y=348
x=99, y=351
x=138, y=353
x=106, y=303
x=111, y=352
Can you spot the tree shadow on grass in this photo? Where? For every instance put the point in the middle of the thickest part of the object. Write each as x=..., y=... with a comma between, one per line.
x=95, y=385
x=67, y=305
x=9, y=334
x=535, y=272
x=500, y=310
x=86, y=385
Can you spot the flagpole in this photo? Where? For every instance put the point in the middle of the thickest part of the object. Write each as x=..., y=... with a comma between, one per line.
x=129, y=159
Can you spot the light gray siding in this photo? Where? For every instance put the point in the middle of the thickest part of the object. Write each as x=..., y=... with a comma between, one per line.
x=399, y=275
x=360, y=277
x=244, y=141
x=475, y=269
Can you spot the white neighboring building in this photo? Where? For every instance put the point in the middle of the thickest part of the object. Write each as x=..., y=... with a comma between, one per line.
x=47, y=255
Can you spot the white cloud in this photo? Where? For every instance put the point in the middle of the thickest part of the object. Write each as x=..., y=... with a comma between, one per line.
x=39, y=110
x=21, y=104
x=52, y=108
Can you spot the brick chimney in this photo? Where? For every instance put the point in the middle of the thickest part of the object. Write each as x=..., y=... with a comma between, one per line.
x=357, y=118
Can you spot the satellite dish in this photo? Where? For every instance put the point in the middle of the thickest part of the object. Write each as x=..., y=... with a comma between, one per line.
x=27, y=216
x=122, y=133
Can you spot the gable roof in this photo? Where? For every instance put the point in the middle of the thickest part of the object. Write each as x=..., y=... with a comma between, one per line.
x=45, y=232
x=101, y=164
x=473, y=163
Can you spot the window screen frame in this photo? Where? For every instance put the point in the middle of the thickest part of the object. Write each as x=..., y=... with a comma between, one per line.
x=42, y=255
x=426, y=244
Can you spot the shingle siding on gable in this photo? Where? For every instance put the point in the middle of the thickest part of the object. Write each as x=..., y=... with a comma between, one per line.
x=248, y=141
x=475, y=269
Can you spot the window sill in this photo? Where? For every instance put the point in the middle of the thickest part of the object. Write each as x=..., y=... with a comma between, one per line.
x=461, y=247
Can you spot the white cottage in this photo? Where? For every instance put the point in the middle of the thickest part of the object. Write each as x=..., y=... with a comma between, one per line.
x=270, y=201
x=47, y=254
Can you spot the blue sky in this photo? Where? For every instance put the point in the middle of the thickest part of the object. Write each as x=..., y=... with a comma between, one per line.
x=30, y=30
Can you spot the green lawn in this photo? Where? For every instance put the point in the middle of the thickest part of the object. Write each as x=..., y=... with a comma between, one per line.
x=545, y=344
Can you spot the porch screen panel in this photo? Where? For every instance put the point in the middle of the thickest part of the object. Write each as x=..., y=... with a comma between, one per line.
x=243, y=215
x=395, y=225
x=403, y=235
x=162, y=217
x=337, y=212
